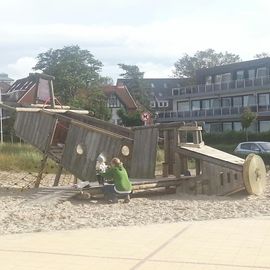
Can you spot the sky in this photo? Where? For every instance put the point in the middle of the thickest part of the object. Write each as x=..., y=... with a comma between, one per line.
x=152, y=34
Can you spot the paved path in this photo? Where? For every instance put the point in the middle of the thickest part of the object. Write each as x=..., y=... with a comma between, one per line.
x=221, y=244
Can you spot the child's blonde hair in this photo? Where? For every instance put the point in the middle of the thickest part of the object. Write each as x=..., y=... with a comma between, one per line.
x=116, y=161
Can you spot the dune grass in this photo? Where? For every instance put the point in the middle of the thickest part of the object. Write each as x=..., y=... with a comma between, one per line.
x=22, y=157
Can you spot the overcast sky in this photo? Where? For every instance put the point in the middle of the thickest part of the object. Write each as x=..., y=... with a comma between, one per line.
x=152, y=34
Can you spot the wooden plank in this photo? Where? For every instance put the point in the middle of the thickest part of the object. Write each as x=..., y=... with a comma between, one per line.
x=127, y=132
x=144, y=153
x=212, y=155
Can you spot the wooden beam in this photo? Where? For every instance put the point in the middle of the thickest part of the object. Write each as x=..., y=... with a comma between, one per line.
x=58, y=175
x=42, y=167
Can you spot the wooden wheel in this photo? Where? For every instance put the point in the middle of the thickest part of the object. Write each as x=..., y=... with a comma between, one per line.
x=254, y=174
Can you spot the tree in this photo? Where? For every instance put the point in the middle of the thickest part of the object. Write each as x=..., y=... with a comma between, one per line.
x=247, y=117
x=262, y=55
x=72, y=67
x=77, y=79
x=130, y=119
x=186, y=66
x=137, y=87
x=94, y=100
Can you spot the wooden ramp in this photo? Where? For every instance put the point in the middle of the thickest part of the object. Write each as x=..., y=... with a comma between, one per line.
x=53, y=195
x=212, y=153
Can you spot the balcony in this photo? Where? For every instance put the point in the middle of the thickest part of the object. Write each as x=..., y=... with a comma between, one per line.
x=208, y=114
x=223, y=86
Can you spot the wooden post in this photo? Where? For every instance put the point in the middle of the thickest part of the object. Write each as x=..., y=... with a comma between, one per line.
x=52, y=94
x=198, y=166
x=183, y=164
x=165, y=169
x=42, y=167
x=57, y=176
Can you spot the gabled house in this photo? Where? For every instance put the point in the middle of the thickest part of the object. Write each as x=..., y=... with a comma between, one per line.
x=160, y=90
x=34, y=89
x=119, y=97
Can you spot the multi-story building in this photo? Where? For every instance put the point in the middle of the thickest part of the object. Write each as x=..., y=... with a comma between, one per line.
x=5, y=79
x=218, y=98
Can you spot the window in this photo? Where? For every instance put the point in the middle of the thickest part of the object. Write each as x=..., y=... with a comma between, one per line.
x=175, y=91
x=160, y=94
x=240, y=75
x=152, y=104
x=195, y=105
x=206, y=127
x=237, y=101
x=208, y=80
x=226, y=77
x=218, y=79
x=206, y=104
x=152, y=85
x=113, y=101
x=226, y=102
x=165, y=85
x=182, y=106
x=162, y=104
x=251, y=73
x=249, y=100
x=237, y=126
x=263, y=99
x=264, y=126
x=215, y=127
x=261, y=72
x=216, y=103
x=227, y=126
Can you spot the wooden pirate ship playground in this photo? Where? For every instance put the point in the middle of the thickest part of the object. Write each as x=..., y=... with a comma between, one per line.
x=74, y=141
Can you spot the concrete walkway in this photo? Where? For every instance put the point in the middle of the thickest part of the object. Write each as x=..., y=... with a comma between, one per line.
x=221, y=244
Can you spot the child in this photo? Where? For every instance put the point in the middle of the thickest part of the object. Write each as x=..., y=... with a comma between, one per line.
x=101, y=167
x=121, y=184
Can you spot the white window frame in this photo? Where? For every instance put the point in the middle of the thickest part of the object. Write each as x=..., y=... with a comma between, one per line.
x=163, y=104
x=152, y=104
x=178, y=91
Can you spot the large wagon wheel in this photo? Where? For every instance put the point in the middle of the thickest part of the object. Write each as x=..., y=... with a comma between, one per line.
x=254, y=174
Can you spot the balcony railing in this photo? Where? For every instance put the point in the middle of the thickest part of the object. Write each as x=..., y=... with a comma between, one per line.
x=206, y=88
x=210, y=113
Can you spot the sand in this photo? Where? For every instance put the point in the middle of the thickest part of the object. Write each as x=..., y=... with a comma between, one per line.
x=21, y=214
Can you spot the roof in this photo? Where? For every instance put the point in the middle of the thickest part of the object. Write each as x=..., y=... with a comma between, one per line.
x=29, y=89
x=234, y=66
x=160, y=87
x=123, y=94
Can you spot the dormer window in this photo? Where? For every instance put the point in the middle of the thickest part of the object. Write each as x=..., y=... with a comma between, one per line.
x=152, y=104
x=261, y=72
x=152, y=85
x=163, y=103
x=226, y=77
x=251, y=73
x=175, y=92
x=165, y=85
x=240, y=75
x=208, y=80
x=218, y=79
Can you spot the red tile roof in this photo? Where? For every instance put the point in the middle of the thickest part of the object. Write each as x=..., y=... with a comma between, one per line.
x=123, y=94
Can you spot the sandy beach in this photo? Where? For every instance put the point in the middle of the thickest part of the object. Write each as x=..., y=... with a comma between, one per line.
x=19, y=213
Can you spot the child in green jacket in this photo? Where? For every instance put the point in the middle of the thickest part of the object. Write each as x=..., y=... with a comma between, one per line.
x=121, y=184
